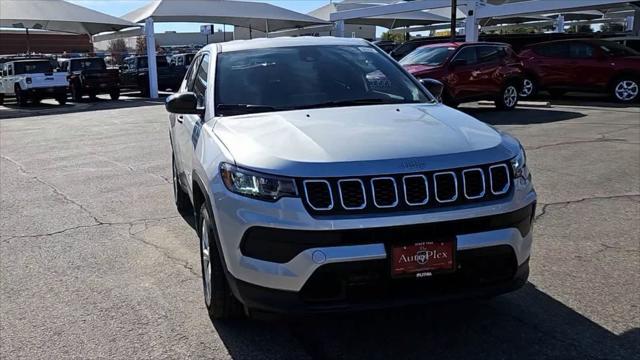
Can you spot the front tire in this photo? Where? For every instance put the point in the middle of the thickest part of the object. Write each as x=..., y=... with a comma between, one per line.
x=61, y=99
x=114, y=94
x=508, y=97
x=76, y=92
x=21, y=97
x=626, y=90
x=220, y=301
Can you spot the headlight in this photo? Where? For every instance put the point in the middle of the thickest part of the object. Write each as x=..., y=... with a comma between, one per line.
x=256, y=185
x=519, y=164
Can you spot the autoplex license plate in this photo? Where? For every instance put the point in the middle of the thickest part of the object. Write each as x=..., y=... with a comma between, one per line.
x=423, y=259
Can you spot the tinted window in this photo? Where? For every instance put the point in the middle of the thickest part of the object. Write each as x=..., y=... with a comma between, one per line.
x=161, y=61
x=88, y=64
x=489, y=53
x=556, y=50
x=433, y=56
x=200, y=82
x=468, y=54
x=33, y=67
x=579, y=50
x=615, y=49
x=188, y=59
x=310, y=77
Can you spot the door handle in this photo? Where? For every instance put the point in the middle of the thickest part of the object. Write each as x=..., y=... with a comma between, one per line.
x=180, y=119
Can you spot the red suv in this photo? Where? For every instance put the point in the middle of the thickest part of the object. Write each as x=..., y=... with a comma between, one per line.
x=582, y=65
x=470, y=71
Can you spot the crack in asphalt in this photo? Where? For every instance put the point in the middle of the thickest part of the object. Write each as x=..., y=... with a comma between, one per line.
x=601, y=139
x=133, y=169
x=543, y=210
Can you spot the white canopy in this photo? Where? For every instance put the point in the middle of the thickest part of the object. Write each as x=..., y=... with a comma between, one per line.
x=255, y=15
x=389, y=21
x=57, y=15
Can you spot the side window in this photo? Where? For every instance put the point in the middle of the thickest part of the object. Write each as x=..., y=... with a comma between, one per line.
x=579, y=50
x=554, y=50
x=488, y=54
x=191, y=74
x=200, y=82
x=468, y=54
x=10, y=69
x=179, y=61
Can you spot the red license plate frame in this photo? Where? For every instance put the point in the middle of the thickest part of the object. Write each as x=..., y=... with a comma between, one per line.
x=423, y=258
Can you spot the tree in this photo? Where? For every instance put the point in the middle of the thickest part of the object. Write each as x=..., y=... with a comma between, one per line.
x=141, y=45
x=117, y=48
x=395, y=37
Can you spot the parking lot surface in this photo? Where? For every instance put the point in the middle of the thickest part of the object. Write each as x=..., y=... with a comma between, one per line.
x=96, y=262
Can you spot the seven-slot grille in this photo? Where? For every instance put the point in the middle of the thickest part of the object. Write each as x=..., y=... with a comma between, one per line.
x=406, y=192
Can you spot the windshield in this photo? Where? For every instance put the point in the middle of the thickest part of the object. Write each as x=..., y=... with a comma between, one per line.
x=433, y=56
x=33, y=67
x=287, y=78
x=161, y=61
x=616, y=49
x=88, y=64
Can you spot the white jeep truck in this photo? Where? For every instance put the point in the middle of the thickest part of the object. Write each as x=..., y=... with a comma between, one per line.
x=32, y=79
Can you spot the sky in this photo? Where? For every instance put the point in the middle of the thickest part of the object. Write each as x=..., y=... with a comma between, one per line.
x=121, y=7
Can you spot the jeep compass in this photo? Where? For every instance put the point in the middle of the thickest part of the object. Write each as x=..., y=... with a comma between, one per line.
x=324, y=177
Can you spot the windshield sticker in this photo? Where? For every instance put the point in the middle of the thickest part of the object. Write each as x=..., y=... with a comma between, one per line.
x=367, y=49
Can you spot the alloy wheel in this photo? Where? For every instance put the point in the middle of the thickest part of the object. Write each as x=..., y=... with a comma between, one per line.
x=527, y=88
x=627, y=90
x=206, y=261
x=510, y=96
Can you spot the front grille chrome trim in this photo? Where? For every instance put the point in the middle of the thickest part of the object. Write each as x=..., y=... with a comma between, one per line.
x=426, y=188
x=373, y=190
x=306, y=194
x=455, y=184
x=507, y=186
x=364, y=194
x=464, y=183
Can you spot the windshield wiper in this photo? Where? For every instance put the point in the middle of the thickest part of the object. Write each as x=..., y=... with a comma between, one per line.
x=239, y=109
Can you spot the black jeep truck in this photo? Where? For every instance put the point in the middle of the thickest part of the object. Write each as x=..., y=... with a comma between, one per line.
x=90, y=76
x=134, y=74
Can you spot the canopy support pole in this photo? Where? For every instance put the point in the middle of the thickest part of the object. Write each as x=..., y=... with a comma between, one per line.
x=454, y=13
x=636, y=23
x=266, y=27
x=340, y=28
x=471, y=23
x=559, y=24
x=151, y=58
x=250, y=33
x=28, y=42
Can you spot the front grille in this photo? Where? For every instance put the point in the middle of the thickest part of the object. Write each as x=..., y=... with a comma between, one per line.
x=407, y=192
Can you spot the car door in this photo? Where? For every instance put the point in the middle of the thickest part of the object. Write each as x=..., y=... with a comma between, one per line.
x=461, y=79
x=592, y=68
x=554, y=65
x=487, y=76
x=188, y=126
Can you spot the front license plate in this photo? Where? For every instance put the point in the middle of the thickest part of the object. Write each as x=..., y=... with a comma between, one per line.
x=423, y=259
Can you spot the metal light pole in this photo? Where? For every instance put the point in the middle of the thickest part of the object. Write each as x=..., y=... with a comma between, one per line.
x=454, y=10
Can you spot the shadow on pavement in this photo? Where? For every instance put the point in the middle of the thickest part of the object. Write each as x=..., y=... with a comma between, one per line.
x=521, y=116
x=527, y=324
x=11, y=110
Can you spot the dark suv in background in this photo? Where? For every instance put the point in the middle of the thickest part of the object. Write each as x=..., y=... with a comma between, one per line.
x=470, y=71
x=90, y=76
x=582, y=65
x=134, y=74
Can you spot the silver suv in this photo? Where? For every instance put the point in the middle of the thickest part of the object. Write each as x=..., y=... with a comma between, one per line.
x=324, y=177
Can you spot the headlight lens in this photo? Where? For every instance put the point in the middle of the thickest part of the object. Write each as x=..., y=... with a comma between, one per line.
x=519, y=164
x=256, y=185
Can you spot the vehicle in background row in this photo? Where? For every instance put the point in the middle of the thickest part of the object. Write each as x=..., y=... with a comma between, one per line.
x=90, y=76
x=323, y=177
x=582, y=65
x=33, y=80
x=134, y=74
x=470, y=71
x=179, y=64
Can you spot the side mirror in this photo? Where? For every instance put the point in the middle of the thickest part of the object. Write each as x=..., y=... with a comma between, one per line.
x=458, y=62
x=183, y=103
x=435, y=87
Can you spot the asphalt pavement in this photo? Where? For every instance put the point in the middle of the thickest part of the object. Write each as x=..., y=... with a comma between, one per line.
x=95, y=262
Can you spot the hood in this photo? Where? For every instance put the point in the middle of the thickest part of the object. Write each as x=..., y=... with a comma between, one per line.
x=419, y=68
x=301, y=142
